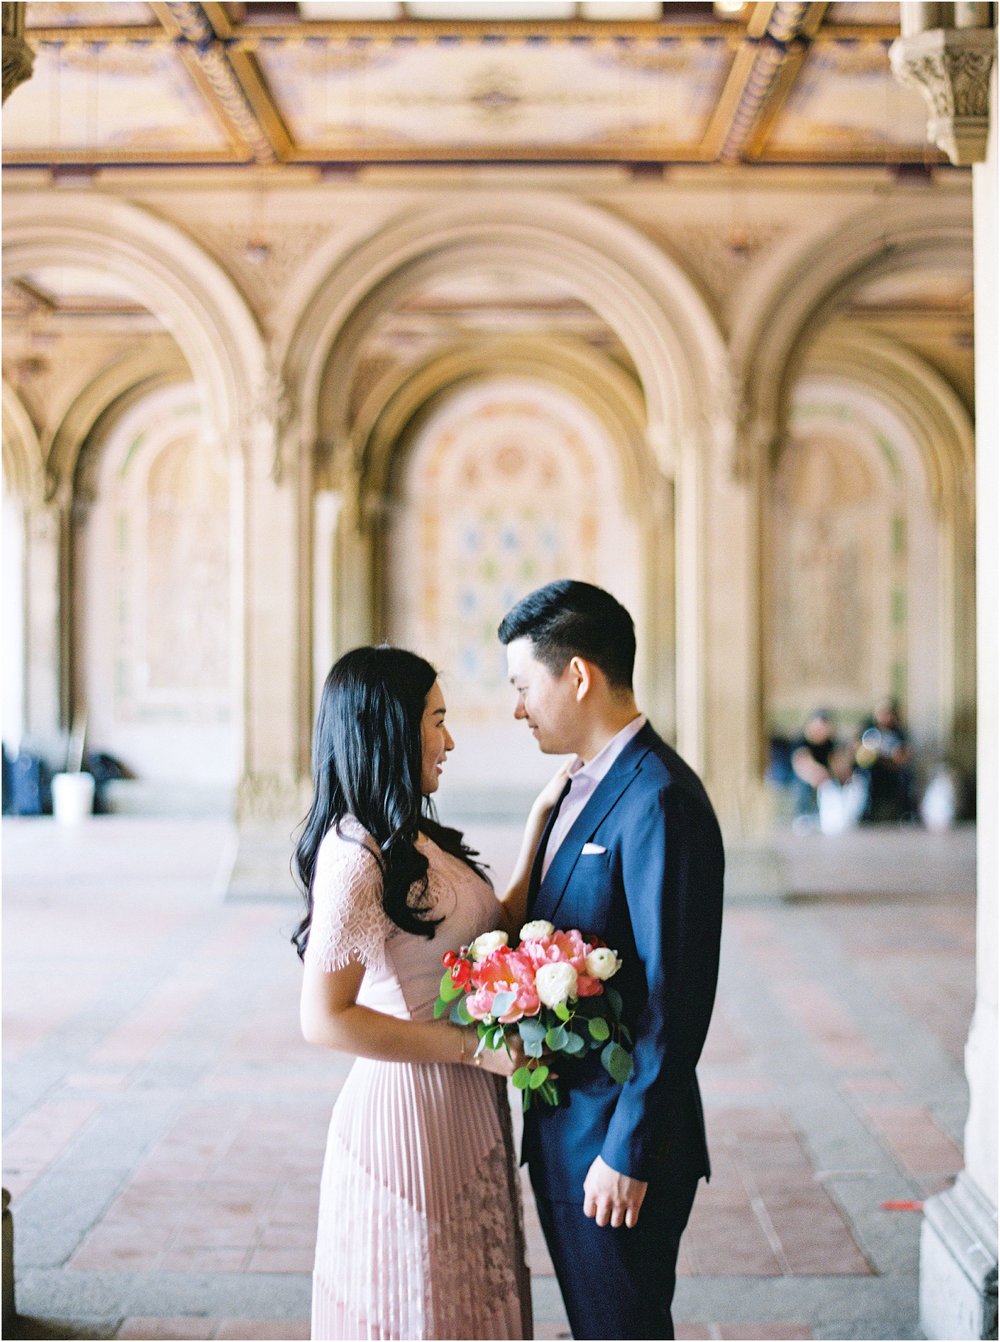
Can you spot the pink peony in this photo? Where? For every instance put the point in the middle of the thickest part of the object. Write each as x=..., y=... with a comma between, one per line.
x=504, y=971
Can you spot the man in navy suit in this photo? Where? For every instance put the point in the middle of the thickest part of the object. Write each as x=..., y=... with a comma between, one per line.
x=632, y=854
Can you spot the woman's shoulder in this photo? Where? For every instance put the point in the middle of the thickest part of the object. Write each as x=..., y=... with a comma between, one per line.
x=348, y=844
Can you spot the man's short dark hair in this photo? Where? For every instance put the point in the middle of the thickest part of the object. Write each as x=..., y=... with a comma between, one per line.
x=568, y=619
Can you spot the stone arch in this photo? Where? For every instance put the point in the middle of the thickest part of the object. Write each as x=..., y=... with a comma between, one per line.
x=801, y=286
x=899, y=384
x=646, y=297
x=172, y=276
x=652, y=304
x=74, y=444
x=23, y=466
x=388, y=413
x=222, y=345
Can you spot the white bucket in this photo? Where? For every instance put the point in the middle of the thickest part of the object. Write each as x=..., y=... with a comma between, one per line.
x=72, y=797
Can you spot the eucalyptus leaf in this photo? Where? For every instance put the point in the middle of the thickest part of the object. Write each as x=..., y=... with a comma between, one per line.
x=562, y=1011
x=539, y=1076
x=502, y=1003
x=531, y=1030
x=460, y=1013
x=556, y=1039
x=599, y=1029
x=617, y=1062
x=614, y=1002
x=440, y=1007
x=534, y=1048
x=522, y=1078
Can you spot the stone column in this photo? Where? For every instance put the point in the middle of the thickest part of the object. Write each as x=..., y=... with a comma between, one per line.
x=48, y=624
x=18, y=58
x=274, y=607
x=958, y=1245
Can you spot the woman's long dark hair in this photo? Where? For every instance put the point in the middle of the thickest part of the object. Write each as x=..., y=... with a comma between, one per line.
x=367, y=762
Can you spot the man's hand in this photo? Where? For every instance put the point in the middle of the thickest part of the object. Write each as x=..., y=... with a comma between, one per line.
x=612, y=1198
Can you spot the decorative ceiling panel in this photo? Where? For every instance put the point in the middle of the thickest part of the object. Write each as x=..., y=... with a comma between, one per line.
x=123, y=14
x=132, y=100
x=507, y=99
x=272, y=83
x=846, y=106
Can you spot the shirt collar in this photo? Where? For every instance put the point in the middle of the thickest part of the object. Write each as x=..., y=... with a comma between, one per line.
x=595, y=770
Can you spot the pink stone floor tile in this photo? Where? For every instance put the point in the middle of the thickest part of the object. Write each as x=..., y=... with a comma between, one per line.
x=269, y=1330
x=281, y=1260
x=198, y=1260
x=915, y=1139
x=172, y=1329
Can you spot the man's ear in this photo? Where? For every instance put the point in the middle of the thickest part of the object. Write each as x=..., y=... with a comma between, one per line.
x=582, y=677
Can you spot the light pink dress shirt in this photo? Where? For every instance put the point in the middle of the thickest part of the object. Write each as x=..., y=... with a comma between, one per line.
x=584, y=779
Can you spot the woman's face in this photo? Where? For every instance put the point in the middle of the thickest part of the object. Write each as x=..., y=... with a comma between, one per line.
x=435, y=740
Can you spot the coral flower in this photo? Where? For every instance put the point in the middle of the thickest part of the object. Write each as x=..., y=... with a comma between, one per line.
x=502, y=972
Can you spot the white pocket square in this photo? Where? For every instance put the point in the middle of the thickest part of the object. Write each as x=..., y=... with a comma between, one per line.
x=589, y=848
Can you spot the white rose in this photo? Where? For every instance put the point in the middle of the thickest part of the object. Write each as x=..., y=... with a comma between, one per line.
x=486, y=944
x=536, y=930
x=602, y=963
x=555, y=983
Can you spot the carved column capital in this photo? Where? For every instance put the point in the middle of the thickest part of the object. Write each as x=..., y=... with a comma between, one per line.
x=18, y=58
x=951, y=68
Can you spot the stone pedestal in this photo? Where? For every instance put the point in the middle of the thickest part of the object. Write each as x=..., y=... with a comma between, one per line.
x=958, y=1264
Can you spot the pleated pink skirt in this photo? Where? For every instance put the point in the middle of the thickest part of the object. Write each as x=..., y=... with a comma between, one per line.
x=420, y=1223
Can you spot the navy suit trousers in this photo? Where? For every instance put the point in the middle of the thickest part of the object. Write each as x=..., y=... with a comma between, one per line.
x=619, y=1283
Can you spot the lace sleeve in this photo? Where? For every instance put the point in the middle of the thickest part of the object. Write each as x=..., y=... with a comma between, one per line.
x=348, y=921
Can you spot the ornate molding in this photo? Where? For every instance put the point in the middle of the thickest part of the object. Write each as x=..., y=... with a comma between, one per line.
x=951, y=68
x=18, y=57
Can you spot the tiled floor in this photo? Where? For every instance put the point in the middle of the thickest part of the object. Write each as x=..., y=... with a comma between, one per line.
x=165, y=1124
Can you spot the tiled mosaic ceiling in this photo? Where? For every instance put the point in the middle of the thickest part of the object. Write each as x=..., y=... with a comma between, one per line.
x=354, y=83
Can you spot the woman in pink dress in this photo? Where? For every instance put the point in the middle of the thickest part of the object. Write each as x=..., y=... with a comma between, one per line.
x=420, y=1226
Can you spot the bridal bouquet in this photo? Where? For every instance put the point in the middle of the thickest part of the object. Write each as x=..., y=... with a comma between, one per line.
x=551, y=988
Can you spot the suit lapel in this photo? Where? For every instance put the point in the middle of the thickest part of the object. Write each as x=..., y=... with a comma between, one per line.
x=606, y=794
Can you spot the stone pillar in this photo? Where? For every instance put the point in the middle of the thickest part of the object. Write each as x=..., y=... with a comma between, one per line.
x=274, y=607
x=48, y=626
x=18, y=58
x=958, y=1245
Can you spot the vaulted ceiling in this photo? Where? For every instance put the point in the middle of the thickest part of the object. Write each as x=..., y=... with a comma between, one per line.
x=347, y=84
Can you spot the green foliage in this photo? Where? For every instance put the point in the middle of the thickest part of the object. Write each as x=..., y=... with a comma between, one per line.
x=562, y=1011
x=460, y=1013
x=574, y=1044
x=539, y=1076
x=617, y=1062
x=599, y=1029
x=522, y=1078
x=614, y=999
x=556, y=1039
x=449, y=989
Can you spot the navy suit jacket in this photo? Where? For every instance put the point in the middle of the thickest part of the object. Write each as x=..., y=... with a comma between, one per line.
x=655, y=896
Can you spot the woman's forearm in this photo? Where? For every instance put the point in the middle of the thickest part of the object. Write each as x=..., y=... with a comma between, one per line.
x=372, y=1034
x=515, y=897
